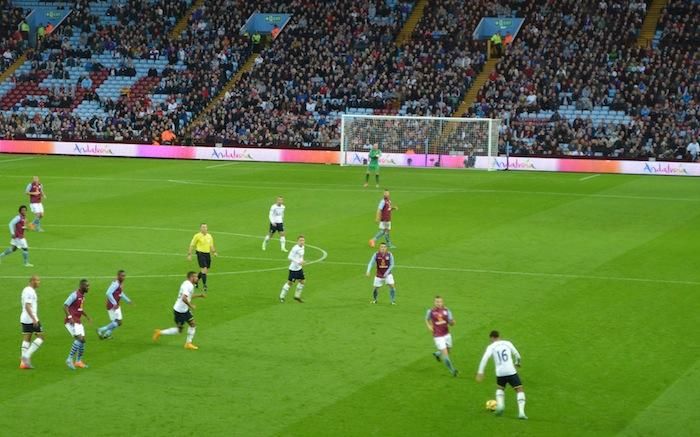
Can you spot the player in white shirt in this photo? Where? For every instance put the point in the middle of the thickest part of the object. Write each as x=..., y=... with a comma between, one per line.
x=506, y=358
x=182, y=312
x=276, y=218
x=296, y=271
x=30, y=323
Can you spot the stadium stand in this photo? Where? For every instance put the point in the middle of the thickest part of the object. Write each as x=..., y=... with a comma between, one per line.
x=12, y=40
x=566, y=86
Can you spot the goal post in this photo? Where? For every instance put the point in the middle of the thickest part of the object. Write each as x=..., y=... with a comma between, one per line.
x=412, y=141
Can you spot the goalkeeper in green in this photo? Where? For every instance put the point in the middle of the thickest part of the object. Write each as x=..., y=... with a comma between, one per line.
x=373, y=165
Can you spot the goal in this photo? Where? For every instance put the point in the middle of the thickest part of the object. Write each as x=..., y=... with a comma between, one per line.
x=411, y=141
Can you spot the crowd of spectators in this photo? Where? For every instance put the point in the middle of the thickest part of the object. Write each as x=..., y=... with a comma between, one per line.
x=566, y=55
x=13, y=34
x=341, y=54
x=331, y=56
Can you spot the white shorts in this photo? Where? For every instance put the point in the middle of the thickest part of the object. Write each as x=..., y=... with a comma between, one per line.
x=385, y=226
x=75, y=329
x=389, y=280
x=444, y=342
x=19, y=243
x=115, y=314
x=37, y=208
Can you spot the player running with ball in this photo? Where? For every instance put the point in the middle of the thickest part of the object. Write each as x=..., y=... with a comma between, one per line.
x=506, y=358
x=384, y=261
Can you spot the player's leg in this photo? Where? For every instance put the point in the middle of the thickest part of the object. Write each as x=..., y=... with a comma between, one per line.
x=205, y=266
x=520, y=397
x=25, y=256
x=300, y=287
x=285, y=288
x=366, y=178
x=387, y=238
x=115, y=317
x=500, y=396
x=392, y=288
x=445, y=345
x=269, y=235
x=26, y=342
x=75, y=345
x=191, y=329
x=378, y=282
x=36, y=344
x=80, y=330
x=38, y=210
x=8, y=251
x=376, y=177
x=179, y=322
x=283, y=240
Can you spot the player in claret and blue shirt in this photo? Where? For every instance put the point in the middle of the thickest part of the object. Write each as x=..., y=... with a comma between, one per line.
x=383, y=218
x=384, y=262
x=115, y=294
x=17, y=241
x=439, y=319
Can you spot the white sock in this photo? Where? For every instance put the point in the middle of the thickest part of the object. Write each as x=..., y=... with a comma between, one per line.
x=283, y=242
x=285, y=289
x=298, y=291
x=169, y=331
x=500, y=399
x=36, y=344
x=267, y=238
x=521, y=403
x=190, y=334
x=25, y=347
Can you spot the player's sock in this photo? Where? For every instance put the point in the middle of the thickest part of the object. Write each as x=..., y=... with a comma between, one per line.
x=169, y=331
x=375, y=294
x=74, y=349
x=376, y=178
x=500, y=399
x=37, y=222
x=190, y=334
x=285, y=290
x=448, y=363
x=81, y=351
x=367, y=177
x=378, y=235
x=521, y=403
x=112, y=326
x=265, y=241
x=6, y=252
x=297, y=292
x=283, y=242
x=25, y=348
x=204, y=281
x=392, y=293
x=387, y=237
x=36, y=344
x=25, y=255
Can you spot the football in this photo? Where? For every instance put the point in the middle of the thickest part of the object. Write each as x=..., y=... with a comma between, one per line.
x=31, y=227
x=491, y=405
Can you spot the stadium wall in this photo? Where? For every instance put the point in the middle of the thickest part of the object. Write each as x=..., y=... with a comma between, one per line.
x=356, y=158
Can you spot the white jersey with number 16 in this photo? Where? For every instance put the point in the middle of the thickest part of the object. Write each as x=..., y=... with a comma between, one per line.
x=505, y=357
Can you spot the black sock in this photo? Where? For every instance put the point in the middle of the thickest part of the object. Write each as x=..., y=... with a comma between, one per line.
x=204, y=278
x=376, y=177
x=367, y=177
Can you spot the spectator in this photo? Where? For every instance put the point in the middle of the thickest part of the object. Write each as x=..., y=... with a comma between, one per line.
x=693, y=150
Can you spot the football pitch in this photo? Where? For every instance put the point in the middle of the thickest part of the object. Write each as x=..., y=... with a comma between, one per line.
x=594, y=279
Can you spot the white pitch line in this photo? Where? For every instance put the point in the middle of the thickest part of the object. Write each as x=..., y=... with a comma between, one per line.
x=533, y=274
x=138, y=252
x=589, y=177
x=2, y=161
x=337, y=188
x=324, y=254
x=222, y=165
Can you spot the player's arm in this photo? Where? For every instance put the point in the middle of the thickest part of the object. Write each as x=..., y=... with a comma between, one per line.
x=271, y=215
x=391, y=265
x=187, y=302
x=482, y=365
x=192, y=244
x=126, y=298
x=371, y=263
x=379, y=211
x=213, y=248
x=429, y=321
x=29, y=308
x=450, y=319
x=294, y=256
x=110, y=294
x=515, y=353
x=12, y=225
x=29, y=191
x=67, y=304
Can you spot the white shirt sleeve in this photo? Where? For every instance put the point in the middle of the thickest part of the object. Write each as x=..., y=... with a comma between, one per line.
x=272, y=214
x=515, y=353
x=484, y=360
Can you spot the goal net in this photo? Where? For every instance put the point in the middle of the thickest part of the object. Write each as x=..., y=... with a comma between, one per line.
x=420, y=141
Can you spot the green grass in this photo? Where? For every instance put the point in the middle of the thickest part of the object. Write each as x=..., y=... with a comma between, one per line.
x=595, y=281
